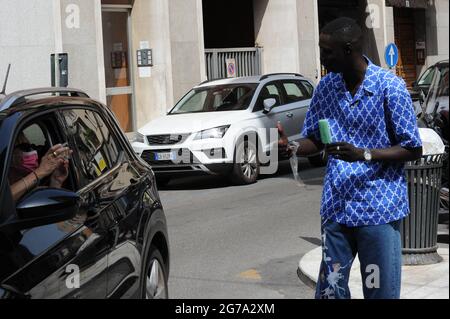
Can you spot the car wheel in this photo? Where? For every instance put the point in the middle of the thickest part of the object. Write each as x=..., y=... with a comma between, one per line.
x=246, y=164
x=319, y=160
x=155, y=281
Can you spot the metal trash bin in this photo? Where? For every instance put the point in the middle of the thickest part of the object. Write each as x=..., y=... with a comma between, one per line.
x=419, y=229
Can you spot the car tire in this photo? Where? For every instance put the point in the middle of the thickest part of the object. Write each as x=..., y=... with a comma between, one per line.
x=246, y=164
x=154, y=281
x=319, y=160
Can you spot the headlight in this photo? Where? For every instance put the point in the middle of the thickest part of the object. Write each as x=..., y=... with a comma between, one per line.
x=135, y=137
x=217, y=132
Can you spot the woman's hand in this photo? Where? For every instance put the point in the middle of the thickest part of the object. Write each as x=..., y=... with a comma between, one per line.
x=59, y=175
x=52, y=160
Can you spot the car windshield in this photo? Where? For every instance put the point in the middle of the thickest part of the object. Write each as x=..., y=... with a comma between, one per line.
x=231, y=97
x=427, y=77
x=437, y=98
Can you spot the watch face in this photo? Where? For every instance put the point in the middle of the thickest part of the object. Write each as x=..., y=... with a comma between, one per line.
x=367, y=155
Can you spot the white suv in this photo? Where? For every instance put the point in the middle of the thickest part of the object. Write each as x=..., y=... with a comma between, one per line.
x=222, y=127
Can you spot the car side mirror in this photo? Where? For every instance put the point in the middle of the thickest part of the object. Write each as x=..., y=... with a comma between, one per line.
x=269, y=105
x=45, y=206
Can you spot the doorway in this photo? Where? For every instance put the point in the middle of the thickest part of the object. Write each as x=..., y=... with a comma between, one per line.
x=404, y=25
x=116, y=21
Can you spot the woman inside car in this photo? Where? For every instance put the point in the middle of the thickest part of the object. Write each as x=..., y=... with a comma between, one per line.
x=26, y=172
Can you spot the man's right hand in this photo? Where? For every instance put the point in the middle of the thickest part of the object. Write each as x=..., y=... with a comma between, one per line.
x=283, y=142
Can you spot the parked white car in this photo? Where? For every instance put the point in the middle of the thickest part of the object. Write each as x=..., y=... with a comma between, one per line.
x=222, y=127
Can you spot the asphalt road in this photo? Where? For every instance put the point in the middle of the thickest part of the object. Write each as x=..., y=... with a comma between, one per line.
x=242, y=241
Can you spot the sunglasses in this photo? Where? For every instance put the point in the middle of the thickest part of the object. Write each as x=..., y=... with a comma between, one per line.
x=25, y=147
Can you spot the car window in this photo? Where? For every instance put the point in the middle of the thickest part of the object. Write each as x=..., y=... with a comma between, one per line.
x=97, y=150
x=229, y=97
x=28, y=147
x=193, y=102
x=427, y=76
x=293, y=91
x=308, y=88
x=439, y=91
x=267, y=92
x=29, y=157
x=35, y=135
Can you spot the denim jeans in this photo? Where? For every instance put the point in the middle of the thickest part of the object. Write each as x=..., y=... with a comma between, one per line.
x=379, y=252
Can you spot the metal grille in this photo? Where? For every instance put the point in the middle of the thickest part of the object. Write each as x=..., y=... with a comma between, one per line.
x=167, y=139
x=248, y=62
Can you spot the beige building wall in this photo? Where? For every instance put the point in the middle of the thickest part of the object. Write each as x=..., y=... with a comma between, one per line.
x=378, y=27
x=82, y=39
x=288, y=32
x=154, y=94
x=31, y=30
x=308, y=37
x=174, y=31
x=277, y=32
x=437, y=31
x=187, y=45
x=27, y=38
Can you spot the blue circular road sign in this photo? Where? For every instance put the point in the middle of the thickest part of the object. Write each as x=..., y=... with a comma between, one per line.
x=391, y=55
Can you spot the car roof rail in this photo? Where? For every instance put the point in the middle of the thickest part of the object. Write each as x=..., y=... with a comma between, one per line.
x=19, y=96
x=266, y=76
x=211, y=80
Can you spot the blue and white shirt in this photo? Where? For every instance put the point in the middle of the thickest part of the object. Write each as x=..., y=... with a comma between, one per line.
x=380, y=115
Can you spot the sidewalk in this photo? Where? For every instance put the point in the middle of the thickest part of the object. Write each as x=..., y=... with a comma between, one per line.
x=418, y=282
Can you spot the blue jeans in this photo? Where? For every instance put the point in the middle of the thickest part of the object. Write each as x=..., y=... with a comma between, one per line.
x=379, y=253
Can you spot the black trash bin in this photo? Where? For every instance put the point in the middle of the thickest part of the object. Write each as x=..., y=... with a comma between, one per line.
x=419, y=229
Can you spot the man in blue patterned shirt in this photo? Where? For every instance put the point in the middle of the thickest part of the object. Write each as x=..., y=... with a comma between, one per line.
x=374, y=132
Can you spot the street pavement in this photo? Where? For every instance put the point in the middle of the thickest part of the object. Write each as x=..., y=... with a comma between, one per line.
x=242, y=241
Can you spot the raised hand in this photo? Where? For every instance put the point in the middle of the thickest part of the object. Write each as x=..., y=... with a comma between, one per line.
x=52, y=160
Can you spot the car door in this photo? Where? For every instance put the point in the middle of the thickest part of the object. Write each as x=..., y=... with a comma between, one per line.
x=116, y=189
x=268, y=120
x=128, y=186
x=297, y=96
x=67, y=259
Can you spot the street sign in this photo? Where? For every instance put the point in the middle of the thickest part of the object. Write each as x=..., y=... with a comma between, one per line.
x=231, y=68
x=391, y=55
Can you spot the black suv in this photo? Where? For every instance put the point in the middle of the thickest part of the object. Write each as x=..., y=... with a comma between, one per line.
x=102, y=233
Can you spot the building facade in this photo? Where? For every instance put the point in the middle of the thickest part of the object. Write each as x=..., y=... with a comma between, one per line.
x=141, y=56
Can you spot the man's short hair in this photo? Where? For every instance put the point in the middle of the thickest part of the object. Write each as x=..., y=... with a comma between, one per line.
x=344, y=30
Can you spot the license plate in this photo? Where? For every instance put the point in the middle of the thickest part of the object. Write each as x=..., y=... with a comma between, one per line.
x=164, y=156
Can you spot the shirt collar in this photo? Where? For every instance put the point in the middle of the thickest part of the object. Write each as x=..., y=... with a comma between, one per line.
x=369, y=83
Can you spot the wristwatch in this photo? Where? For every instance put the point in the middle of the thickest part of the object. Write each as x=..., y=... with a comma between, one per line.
x=367, y=155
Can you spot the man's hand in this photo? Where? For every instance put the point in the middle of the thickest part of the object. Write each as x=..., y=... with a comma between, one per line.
x=345, y=151
x=283, y=143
